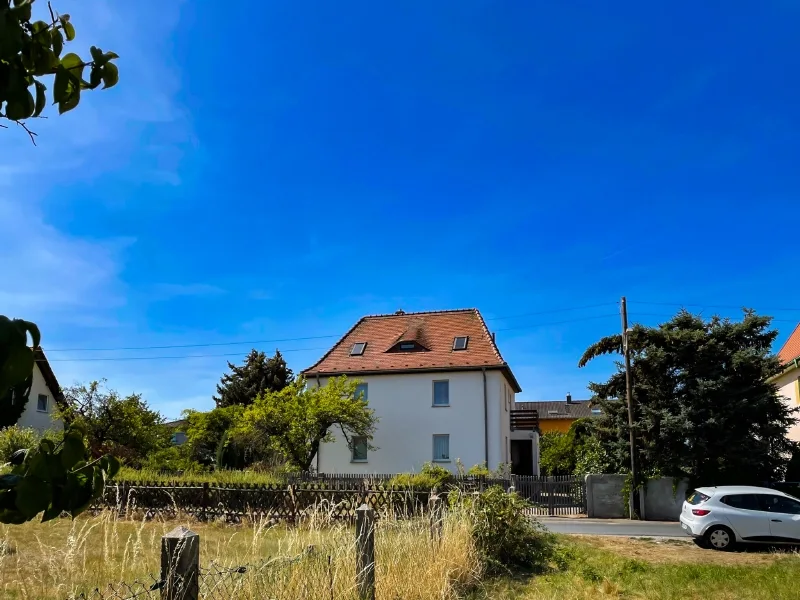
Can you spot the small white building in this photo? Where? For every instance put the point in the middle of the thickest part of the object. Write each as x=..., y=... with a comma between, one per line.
x=438, y=385
x=45, y=393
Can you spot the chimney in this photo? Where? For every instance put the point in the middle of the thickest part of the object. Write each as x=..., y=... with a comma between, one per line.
x=569, y=398
x=494, y=336
x=400, y=312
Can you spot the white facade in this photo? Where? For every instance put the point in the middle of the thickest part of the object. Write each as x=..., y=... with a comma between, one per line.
x=533, y=438
x=788, y=384
x=408, y=422
x=40, y=397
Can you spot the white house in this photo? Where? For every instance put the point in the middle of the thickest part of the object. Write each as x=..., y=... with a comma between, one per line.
x=45, y=394
x=436, y=381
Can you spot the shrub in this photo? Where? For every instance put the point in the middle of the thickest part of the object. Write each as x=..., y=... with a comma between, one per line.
x=505, y=536
x=430, y=476
x=17, y=438
x=479, y=470
x=174, y=459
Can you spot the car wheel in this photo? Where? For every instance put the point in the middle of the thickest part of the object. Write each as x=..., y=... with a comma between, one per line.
x=720, y=538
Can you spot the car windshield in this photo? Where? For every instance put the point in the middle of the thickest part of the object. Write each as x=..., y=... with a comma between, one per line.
x=697, y=498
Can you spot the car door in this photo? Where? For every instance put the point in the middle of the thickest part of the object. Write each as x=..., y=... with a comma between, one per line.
x=784, y=517
x=746, y=515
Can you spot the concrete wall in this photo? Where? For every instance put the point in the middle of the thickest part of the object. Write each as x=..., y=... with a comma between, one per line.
x=408, y=421
x=604, y=496
x=660, y=503
x=40, y=420
x=789, y=388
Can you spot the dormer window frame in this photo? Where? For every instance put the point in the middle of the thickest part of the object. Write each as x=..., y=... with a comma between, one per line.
x=458, y=347
x=358, y=348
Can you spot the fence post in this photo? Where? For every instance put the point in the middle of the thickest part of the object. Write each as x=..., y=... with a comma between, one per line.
x=550, y=498
x=435, y=514
x=180, y=565
x=206, y=500
x=365, y=552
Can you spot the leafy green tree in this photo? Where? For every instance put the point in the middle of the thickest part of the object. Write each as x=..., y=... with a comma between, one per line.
x=53, y=477
x=124, y=426
x=31, y=50
x=297, y=419
x=556, y=453
x=205, y=431
x=258, y=374
x=704, y=407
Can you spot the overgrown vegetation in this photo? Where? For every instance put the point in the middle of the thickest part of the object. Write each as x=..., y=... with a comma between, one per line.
x=506, y=537
x=576, y=452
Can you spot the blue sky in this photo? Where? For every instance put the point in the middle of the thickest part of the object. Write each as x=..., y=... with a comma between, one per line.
x=277, y=170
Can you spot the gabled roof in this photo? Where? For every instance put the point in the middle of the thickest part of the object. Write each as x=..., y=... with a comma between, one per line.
x=791, y=348
x=558, y=409
x=435, y=331
x=49, y=377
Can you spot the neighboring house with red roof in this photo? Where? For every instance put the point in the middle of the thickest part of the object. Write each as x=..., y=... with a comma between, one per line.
x=788, y=382
x=44, y=397
x=436, y=381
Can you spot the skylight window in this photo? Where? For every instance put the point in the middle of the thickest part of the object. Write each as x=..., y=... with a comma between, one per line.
x=407, y=346
x=460, y=343
x=358, y=348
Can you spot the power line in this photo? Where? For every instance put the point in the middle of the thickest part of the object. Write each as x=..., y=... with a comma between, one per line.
x=118, y=358
x=296, y=339
x=555, y=310
x=559, y=322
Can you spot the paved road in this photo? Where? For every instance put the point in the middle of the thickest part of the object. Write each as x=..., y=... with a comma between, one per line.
x=613, y=527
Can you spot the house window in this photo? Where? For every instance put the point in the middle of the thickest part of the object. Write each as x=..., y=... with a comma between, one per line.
x=359, y=447
x=41, y=403
x=441, y=448
x=441, y=393
x=407, y=346
x=362, y=391
x=358, y=348
x=460, y=343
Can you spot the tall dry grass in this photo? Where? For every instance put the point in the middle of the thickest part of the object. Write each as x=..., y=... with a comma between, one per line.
x=62, y=559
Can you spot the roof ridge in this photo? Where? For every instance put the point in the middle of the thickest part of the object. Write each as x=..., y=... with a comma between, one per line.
x=421, y=312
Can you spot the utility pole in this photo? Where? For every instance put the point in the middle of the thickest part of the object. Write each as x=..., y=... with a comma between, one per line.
x=629, y=397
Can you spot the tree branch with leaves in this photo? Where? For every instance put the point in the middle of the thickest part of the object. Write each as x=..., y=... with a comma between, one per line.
x=31, y=50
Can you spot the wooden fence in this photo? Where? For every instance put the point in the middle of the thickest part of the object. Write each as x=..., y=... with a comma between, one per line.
x=336, y=496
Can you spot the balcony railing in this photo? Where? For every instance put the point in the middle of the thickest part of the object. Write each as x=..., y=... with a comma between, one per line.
x=524, y=420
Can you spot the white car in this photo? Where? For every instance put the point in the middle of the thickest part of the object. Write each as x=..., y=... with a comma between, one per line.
x=720, y=517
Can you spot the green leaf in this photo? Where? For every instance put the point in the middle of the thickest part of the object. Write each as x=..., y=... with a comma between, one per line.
x=18, y=365
x=73, y=450
x=36, y=467
x=33, y=496
x=31, y=327
x=47, y=446
x=61, y=85
x=110, y=56
x=110, y=75
x=58, y=41
x=96, y=76
x=22, y=12
x=41, y=35
x=111, y=466
x=97, y=54
x=72, y=63
x=8, y=481
x=52, y=512
x=70, y=102
x=69, y=30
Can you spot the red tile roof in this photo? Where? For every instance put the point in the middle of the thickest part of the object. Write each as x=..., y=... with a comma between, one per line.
x=434, y=331
x=791, y=349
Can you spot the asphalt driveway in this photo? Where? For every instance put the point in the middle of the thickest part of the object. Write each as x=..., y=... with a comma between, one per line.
x=622, y=527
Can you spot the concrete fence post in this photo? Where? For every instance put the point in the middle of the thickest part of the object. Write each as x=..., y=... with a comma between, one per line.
x=365, y=552
x=180, y=565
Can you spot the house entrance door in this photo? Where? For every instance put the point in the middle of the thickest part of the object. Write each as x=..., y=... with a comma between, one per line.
x=522, y=457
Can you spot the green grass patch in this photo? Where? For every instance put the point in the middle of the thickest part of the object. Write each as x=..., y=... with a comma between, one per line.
x=640, y=569
x=127, y=474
